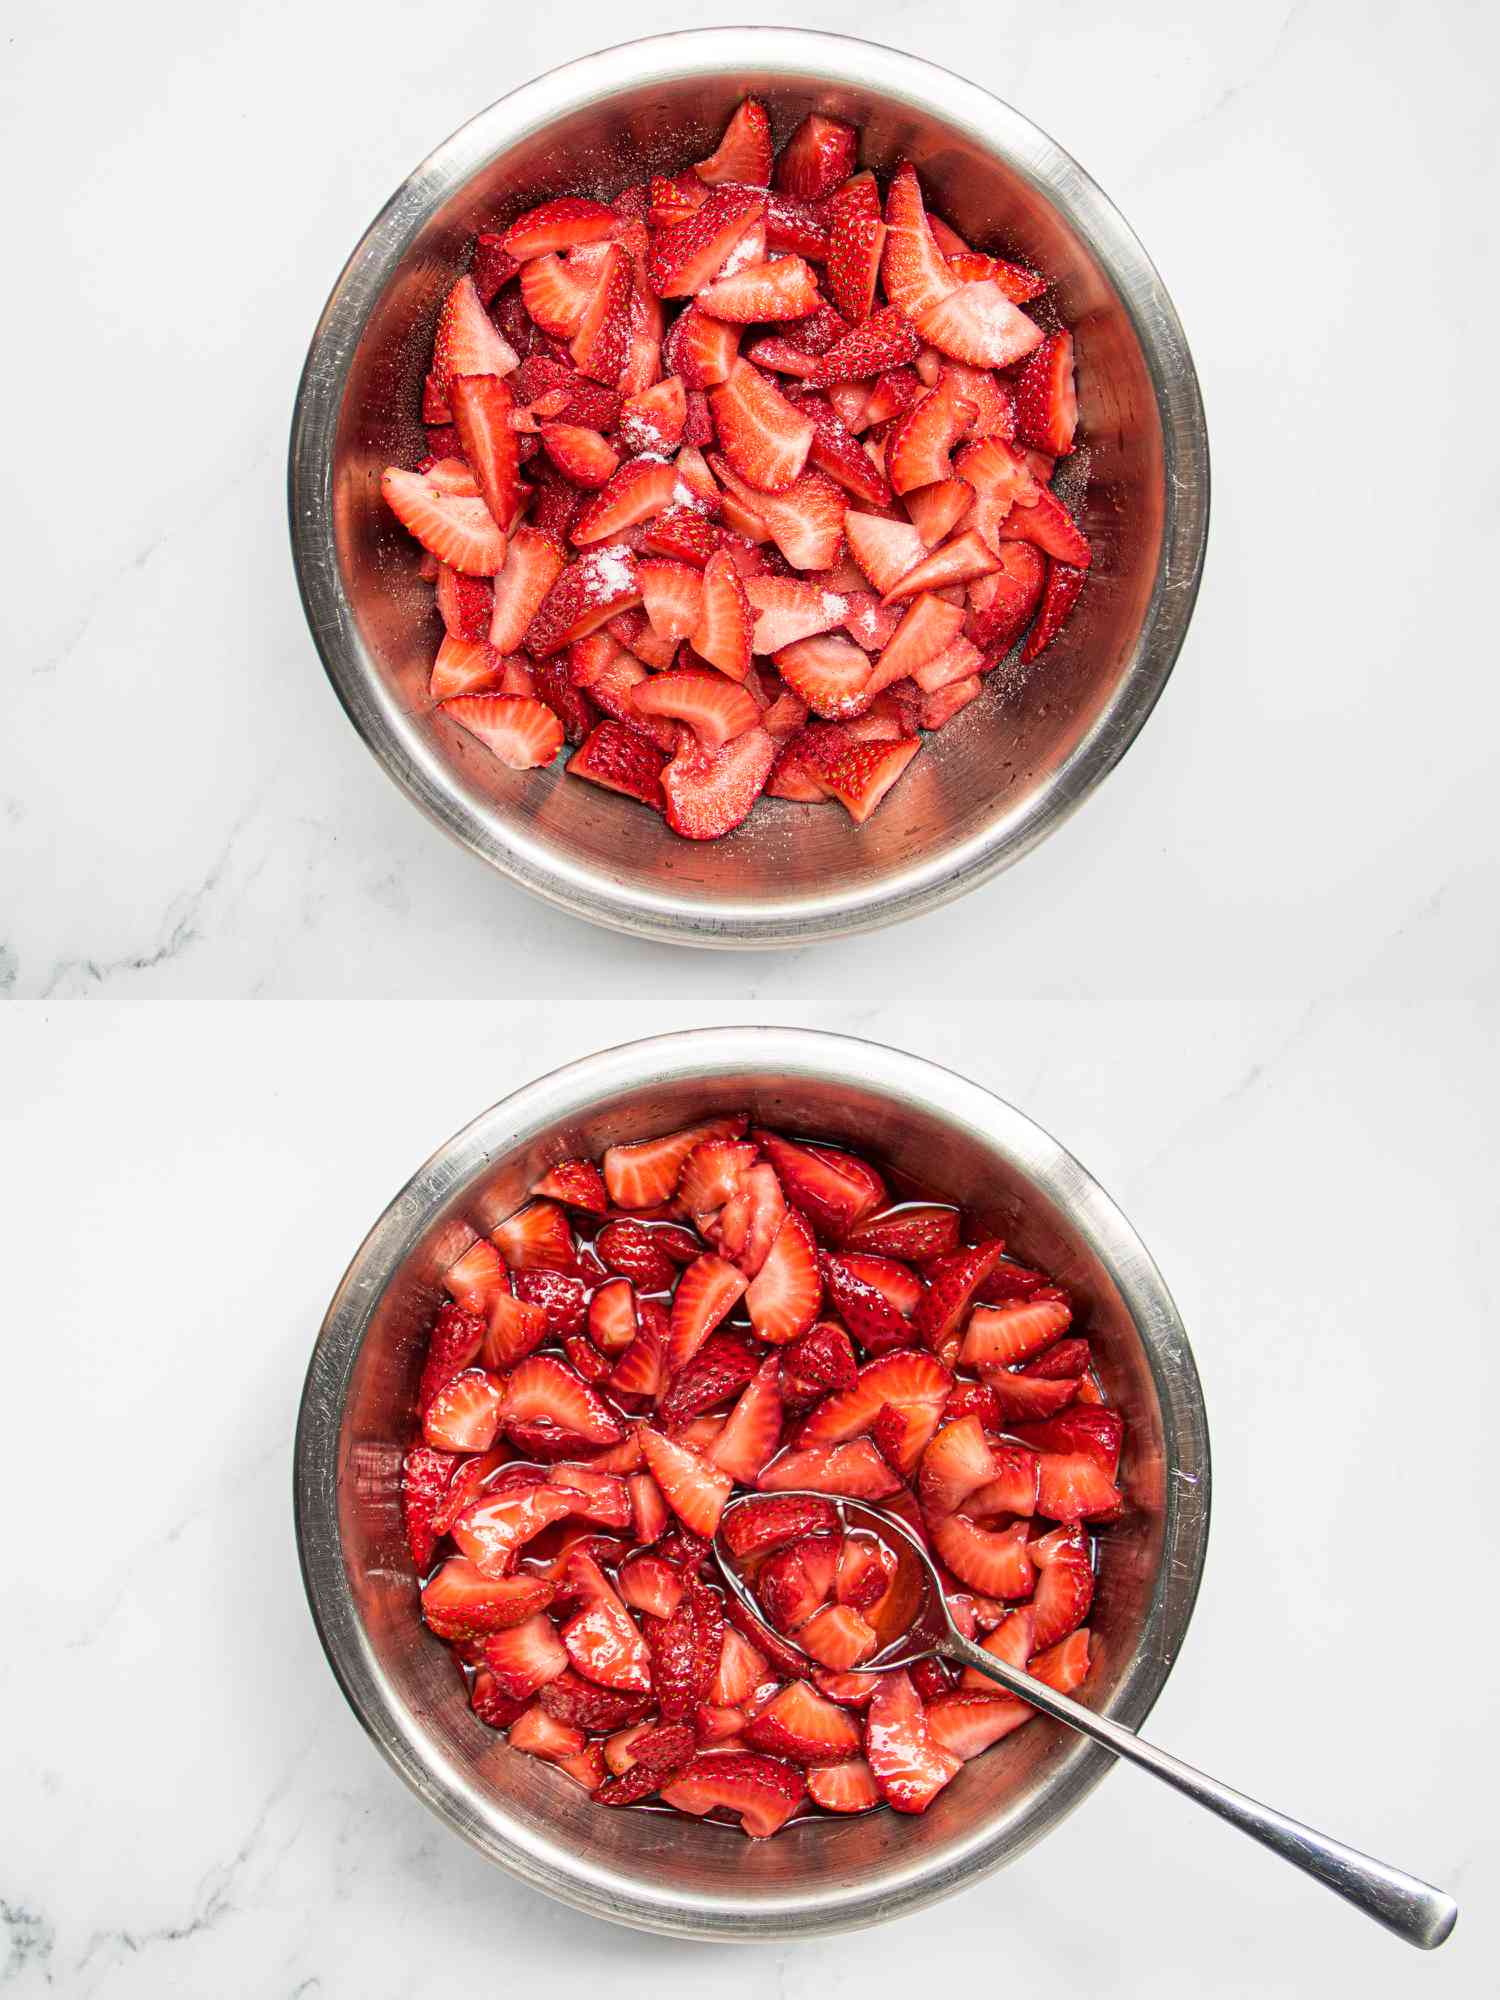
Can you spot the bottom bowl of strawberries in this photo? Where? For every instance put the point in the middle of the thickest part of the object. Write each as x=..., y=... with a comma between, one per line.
x=749, y=486
x=753, y=1264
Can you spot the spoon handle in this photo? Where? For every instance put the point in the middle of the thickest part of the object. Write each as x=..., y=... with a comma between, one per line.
x=1412, y=1909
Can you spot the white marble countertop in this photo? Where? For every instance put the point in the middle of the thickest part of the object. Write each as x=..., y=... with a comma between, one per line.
x=1254, y=986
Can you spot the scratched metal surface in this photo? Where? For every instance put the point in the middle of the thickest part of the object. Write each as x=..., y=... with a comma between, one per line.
x=646, y=1869
x=1036, y=742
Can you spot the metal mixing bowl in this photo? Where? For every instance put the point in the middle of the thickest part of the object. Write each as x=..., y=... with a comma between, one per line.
x=651, y=1869
x=1020, y=757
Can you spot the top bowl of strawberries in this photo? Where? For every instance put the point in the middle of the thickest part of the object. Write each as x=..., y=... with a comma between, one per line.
x=749, y=485
x=702, y=1292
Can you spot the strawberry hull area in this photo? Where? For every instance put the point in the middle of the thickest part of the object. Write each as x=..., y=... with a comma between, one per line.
x=1024, y=753
x=653, y=1869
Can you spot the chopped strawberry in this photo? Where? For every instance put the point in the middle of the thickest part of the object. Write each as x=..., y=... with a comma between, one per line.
x=753, y=1430
x=967, y=556
x=956, y=1464
x=965, y=1723
x=425, y=1474
x=465, y=604
x=952, y=1283
x=765, y=438
x=462, y=667
x=582, y=1704
x=536, y=1238
x=630, y=1249
x=757, y=1525
x=836, y=451
x=1028, y=1398
x=913, y=270
x=1013, y=1487
x=856, y=238
x=1046, y=400
x=1046, y=522
x=521, y=731
x=801, y=1725
x=795, y=1581
x=885, y=550
x=762, y=1790
x=1065, y=1666
x=742, y=1669
x=744, y=152
x=784, y=288
x=494, y=1709
x=1063, y=586
x=545, y=1390
x=822, y=1359
x=1098, y=1432
x=714, y=707
x=621, y=760
x=459, y=1330
x=589, y=592
x=483, y=406
x=976, y=323
x=787, y=609
x=710, y=791
x=689, y=254
x=998, y=1336
x=456, y=528
x=869, y=1314
x=464, y=1415
x=502, y=1520
x=493, y=265
x=1068, y=1357
x=992, y=1561
x=646, y=1171
x=1064, y=1586
x=1073, y=1486
x=462, y=1603
x=722, y=1367
x=877, y=344
x=641, y=487
x=833, y=1189
x=648, y=1584
x=580, y=455
x=1002, y=604
x=561, y=224
x=700, y=349
x=862, y=777
x=849, y=1787
x=908, y=1763
x=605, y=1644
x=838, y=1637
x=706, y=1291
x=864, y=1572
x=920, y=441
x=466, y=343
x=695, y=1490
x=855, y=1470
x=642, y=1369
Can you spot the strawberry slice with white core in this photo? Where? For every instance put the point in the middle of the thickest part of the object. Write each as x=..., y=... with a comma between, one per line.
x=483, y=406
x=951, y=1284
x=498, y=1524
x=525, y=1657
x=849, y=1787
x=1000, y=1336
x=817, y=158
x=906, y=1377
x=928, y=627
x=855, y=1470
x=784, y=288
x=464, y=1415
x=521, y=732
x=806, y=522
x=1046, y=523
x=707, y=1290
x=804, y=1727
x=956, y=1463
x=689, y=254
x=590, y=591
x=533, y=563
x=979, y=325
x=580, y=454
x=711, y=791
x=913, y=270
x=599, y=348
x=646, y=1171
x=838, y=1637
x=714, y=707
x=604, y=1642
x=749, y=1438
x=909, y=1766
x=1065, y=1666
x=695, y=1490
x=765, y=438
x=967, y=556
x=1071, y=1486
x=649, y=1584
x=830, y=673
x=461, y=1602
x=1012, y=1489
x=557, y=225
x=556, y=296
x=966, y=1723
x=885, y=550
x=742, y=1669
x=467, y=341
x=672, y=593
x=834, y=1190
x=456, y=528
x=786, y=609
x=994, y=1562
x=535, y=1238
x=763, y=1791
x=641, y=487
x=544, y=1388
x=784, y=1297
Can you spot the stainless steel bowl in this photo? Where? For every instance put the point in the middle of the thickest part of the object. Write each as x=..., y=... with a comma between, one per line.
x=649, y=1869
x=1020, y=758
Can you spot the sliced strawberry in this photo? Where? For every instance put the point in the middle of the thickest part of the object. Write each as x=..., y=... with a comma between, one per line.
x=425, y=1474
x=757, y=1525
x=875, y=1322
x=580, y=455
x=536, y=1238
x=787, y=609
x=1068, y=1357
x=721, y=1368
x=993, y=1562
x=856, y=238
x=462, y=1603
x=589, y=592
x=915, y=1232
x=456, y=528
x=742, y=1669
x=794, y=1582
x=802, y=1726
x=1065, y=1585
x=1063, y=1667
x=834, y=1190
x=621, y=760
x=522, y=732
x=1046, y=399
x=700, y=349
x=952, y=1283
x=710, y=792
x=959, y=561
x=543, y=1389
x=580, y=1704
x=1013, y=1488
x=849, y=1787
x=967, y=1723
x=494, y=1709
x=776, y=352
x=1047, y=523
x=875, y=345
x=642, y=487
x=908, y=1763
x=855, y=1470
x=525, y=1657
x=470, y=1477
x=997, y=1336
x=762, y=1790
x=605, y=1645
x=913, y=270
x=561, y=224
x=1002, y=604
x=1073, y=1486
x=892, y=396
x=838, y=1637
x=838, y=452
x=1028, y=1398
x=765, y=438
x=649, y=1584
x=721, y=629
x=598, y=349
x=614, y=1324
x=1064, y=583
x=646, y=1171
x=822, y=1359
x=749, y=1439
x=783, y=1298
x=466, y=342
x=706, y=1291
x=493, y=265
x=956, y=1464
x=465, y=604
x=556, y=295
x=642, y=1369
x=744, y=152
x=464, y=1415
x=631, y=1250
x=515, y=1328
x=682, y=534
x=828, y=672
x=817, y=158
x=459, y=1330
x=885, y=550
x=462, y=667
x=593, y=1495
x=714, y=707
x=690, y=253
x=502, y=1521
x=862, y=777
x=694, y=1489
x=783, y=288
x=1096, y=1431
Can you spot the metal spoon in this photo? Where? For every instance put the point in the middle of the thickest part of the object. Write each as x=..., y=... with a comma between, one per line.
x=1414, y=1910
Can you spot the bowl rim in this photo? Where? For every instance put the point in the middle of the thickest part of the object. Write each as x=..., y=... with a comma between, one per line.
x=528, y=857
x=564, y=1873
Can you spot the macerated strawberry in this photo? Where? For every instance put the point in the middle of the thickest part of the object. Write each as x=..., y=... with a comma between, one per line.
x=459, y=1330
x=744, y=152
x=461, y=1602
x=456, y=528
x=998, y=1336
x=765, y=438
x=706, y=1291
x=604, y=1642
x=956, y=1464
x=621, y=760
x=694, y=1489
x=710, y=791
x=1048, y=524
x=1012, y=1489
x=967, y=556
x=556, y=295
x=1065, y=1666
x=544, y=1389
x=588, y=593
x=834, y=1189
x=581, y=1704
x=976, y=323
x=752, y=1432
x=1046, y=399
x=829, y=673
x=464, y=1415
x=966, y=1723
x=909, y=1765
x=763, y=1791
x=502, y=1520
x=805, y=1727
x=688, y=254
x=580, y=454
x=630, y=1249
x=1074, y=1486
x=875, y=1322
x=464, y=604
x=856, y=238
x=784, y=288
x=992, y=1561
x=466, y=342
x=1027, y=1398
x=561, y=224
x=640, y=488
x=714, y=707
x=1061, y=593
x=849, y=1787
x=646, y=1171
x=885, y=550
x=951, y=1284
x=882, y=342
x=425, y=1474
x=1002, y=604
x=855, y=1469
x=535, y=1238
